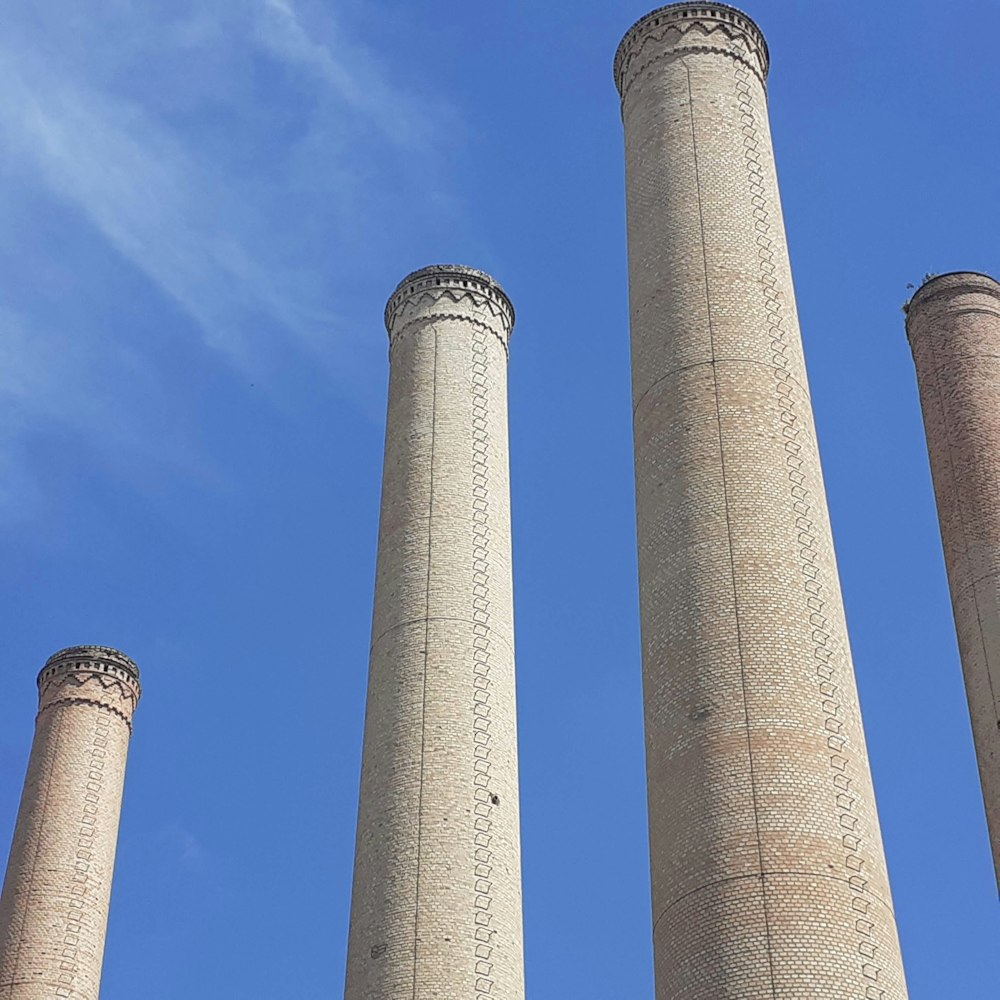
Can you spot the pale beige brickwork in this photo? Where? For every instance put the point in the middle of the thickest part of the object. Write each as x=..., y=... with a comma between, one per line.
x=767, y=865
x=436, y=909
x=953, y=324
x=54, y=908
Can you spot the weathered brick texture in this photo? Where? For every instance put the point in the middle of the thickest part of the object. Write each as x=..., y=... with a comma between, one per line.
x=953, y=324
x=436, y=909
x=767, y=863
x=54, y=908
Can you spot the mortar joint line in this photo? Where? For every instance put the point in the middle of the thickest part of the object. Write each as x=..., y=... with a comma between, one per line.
x=440, y=618
x=711, y=361
x=753, y=875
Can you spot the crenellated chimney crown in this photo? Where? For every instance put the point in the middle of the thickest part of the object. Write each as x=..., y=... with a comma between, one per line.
x=680, y=28
x=449, y=291
x=95, y=675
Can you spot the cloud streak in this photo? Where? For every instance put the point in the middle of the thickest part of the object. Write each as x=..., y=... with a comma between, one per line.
x=145, y=195
x=351, y=74
x=231, y=154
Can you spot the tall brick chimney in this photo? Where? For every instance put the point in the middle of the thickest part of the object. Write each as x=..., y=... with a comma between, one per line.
x=767, y=865
x=436, y=909
x=54, y=908
x=953, y=324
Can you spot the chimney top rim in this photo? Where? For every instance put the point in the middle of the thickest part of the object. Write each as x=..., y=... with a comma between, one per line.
x=94, y=654
x=673, y=10
x=483, y=282
x=962, y=281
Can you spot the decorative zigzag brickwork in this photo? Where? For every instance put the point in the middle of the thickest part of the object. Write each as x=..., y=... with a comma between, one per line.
x=482, y=649
x=689, y=28
x=54, y=908
x=435, y=292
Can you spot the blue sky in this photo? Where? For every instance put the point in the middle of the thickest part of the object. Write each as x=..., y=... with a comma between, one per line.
x=203, y=207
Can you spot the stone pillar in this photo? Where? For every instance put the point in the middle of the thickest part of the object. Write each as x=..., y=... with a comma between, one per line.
x=54, y=908
x=436, y=909
x=767, y=865
x=953, y=325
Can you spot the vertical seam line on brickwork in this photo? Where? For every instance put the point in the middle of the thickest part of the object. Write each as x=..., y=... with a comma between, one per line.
x=729, y=535
x=809, y=553
x=38, y=839
x=423, y=695
x=936, y=375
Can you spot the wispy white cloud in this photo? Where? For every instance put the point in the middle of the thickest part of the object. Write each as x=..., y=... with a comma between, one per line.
x=230, y=152
x=141, y=188
x=187, y=849
x=352, y=74
x=177, y=214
